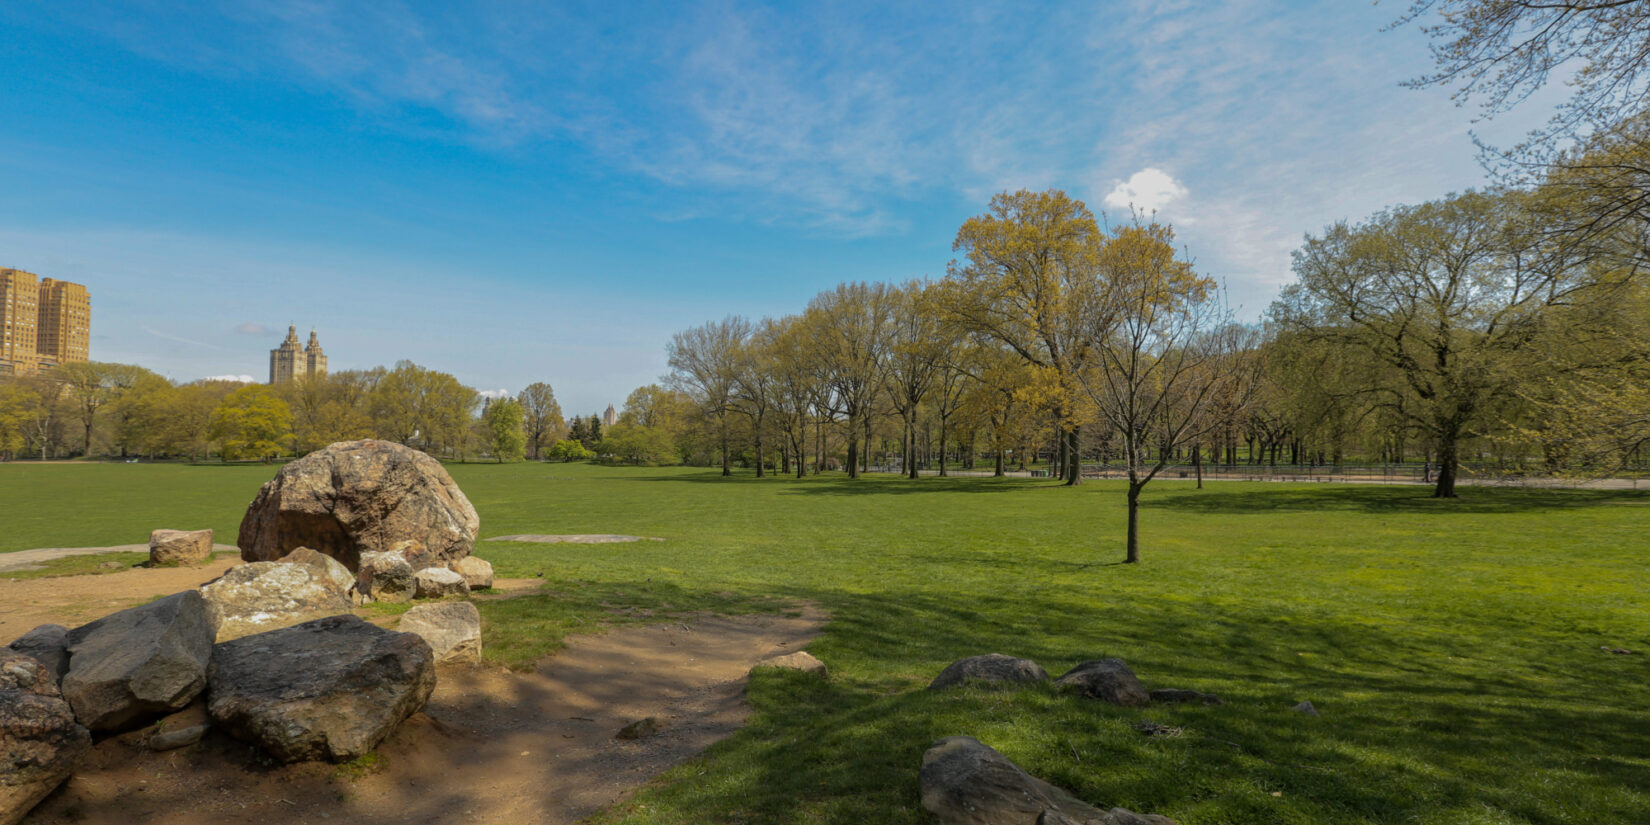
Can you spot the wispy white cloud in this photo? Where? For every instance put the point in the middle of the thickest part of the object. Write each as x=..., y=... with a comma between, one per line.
x=250, y=328
x=241, y=379
x=494, y=394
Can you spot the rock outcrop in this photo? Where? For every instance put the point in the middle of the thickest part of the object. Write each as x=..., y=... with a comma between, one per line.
x=439, y=583
x=991, y=668
x=355, y=497
x=180, y=547
x=139, y=663
x=328, y=689
x=40, y=741
x=965, y=782
x=453, y=629
x=265, y=595
x=1108, y=680
x=49, y=645
x=477, y=573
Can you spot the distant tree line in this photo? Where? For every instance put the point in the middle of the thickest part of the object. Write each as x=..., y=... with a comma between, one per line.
x=125, y=410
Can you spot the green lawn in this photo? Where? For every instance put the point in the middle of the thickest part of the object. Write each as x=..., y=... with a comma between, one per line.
x=1453, y=648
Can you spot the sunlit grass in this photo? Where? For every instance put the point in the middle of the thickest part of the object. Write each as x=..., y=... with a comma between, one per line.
x=1453, y=647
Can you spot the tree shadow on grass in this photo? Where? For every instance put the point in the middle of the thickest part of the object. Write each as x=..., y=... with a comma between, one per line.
x=1407, y=733
x=878, y=484
x=1370, y=499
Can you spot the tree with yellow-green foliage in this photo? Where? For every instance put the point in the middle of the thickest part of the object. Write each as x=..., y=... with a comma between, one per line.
x=1030, y=280
x=252, y=422
x=503, y=422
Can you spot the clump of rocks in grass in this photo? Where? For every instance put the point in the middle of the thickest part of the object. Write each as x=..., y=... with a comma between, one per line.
x=992, y=668
x=296, y=673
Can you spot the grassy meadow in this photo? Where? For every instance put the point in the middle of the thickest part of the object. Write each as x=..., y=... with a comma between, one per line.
x=1452, y=647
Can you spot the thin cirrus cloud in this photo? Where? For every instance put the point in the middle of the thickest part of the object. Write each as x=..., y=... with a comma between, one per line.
x=250, y=328
x=238, y=379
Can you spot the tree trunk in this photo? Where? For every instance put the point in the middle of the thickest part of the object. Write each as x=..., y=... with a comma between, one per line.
x=911, y=444
x=943, y=446
x=1000, y=471
x=1449, y=462
x=853, y=448
x=1197, y=463
x=865, y=454
x=1134, y=522
x=1074, y=463
x=727, y=469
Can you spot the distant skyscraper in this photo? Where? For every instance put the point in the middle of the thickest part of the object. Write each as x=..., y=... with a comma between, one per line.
x=43, y=323
x=610, y=417
x=290, y=361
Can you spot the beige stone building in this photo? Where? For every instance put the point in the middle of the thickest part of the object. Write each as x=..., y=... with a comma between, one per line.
x=290, y=362
x=43, y=323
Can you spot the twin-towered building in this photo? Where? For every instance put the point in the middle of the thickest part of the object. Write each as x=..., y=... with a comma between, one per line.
x=44, y=322
x=290, y=362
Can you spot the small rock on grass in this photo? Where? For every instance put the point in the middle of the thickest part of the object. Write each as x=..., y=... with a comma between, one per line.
x=452, y=628
x=180, y=547
x=992, y=667
x=639, y=729
x=801, y=660
x=1306, y=708
x=1108, y=680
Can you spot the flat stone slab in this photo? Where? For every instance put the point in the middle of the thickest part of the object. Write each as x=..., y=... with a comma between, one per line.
x=587, y=538
x=36, y=559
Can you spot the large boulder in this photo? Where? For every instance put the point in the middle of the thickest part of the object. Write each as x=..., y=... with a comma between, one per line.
x=993, y=668
x=40, y=741
x=180, y=547
x=355, y=497
x=965, y=782
x=439, y=583
x=1108, y=680
x=265, y=595
x=477, y=573
x=49, y=645
x=385, y=577
x=453, y=629
x=128, y=667
x=330, y=689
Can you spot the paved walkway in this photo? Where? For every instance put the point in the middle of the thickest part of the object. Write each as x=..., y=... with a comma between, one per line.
x=36, y=559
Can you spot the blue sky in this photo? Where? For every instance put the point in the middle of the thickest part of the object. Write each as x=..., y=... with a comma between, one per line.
x=518, y=192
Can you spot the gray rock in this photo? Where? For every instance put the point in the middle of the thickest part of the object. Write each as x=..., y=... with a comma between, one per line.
x=1171, y=696
x=355, y=497
x=174, y=739
x=1115, y=816
x=331, y=568
x=801, y=660
x=139, y=663
x=992, y=667
x=965, y=782
x=438, y=583
x=385, y=577
x=49, y=645
x=453, y=629
x=40, y=741
x=477, y=573
x=1108, y=680
x=180, y=546
x=265, y=595
x=1306, y=708
x=330, y=689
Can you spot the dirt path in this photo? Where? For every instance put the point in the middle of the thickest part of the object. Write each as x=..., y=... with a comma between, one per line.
x=35, y=559
x=491, y=747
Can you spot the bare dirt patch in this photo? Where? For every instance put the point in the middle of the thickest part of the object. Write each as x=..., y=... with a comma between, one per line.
x=492, y=746
x=578, y=538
